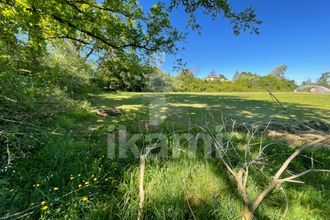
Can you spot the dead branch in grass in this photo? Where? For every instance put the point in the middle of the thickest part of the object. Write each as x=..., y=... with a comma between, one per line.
x=241, y=176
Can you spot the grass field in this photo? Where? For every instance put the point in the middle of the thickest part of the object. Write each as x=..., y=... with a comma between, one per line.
x=180, y=107
x=71, y=177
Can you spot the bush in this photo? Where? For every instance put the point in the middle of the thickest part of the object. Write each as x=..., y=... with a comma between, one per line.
x=32, y=97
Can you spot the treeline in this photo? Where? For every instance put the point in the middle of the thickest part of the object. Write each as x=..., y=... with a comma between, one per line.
x=324, y=80
x=185, y=81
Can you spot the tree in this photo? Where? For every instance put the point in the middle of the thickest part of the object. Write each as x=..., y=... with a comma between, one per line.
x=241, y=21
x=247, y=76
x=159, y=81
x=185, y=74
x=307, y=82
x=278, y=72
x=109, y=25
x=222, y=77
x=236, y=75
x=123, y=73
x=108, y=29
x=324, y=80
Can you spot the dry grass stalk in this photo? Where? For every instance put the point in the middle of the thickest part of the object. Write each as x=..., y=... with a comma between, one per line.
x=141, y=187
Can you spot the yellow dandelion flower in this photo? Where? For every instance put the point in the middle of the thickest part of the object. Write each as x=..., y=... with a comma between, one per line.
x=86, y=183
x=56, y=188
x=79, y=185
x=84, y=199
x=95, y=179
x=44, y=208
x=43, y=203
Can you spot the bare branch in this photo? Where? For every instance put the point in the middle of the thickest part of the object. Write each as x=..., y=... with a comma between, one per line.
x=296, y=153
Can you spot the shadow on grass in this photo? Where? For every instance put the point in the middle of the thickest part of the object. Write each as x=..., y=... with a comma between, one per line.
x=197, y=109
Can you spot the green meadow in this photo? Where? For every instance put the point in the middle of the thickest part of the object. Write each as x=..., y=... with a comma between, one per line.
x=108, y=112
x=70, y=176
x=238, y=105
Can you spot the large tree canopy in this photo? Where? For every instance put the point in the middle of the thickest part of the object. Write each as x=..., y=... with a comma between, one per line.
x=122, y=36
x=111, y=25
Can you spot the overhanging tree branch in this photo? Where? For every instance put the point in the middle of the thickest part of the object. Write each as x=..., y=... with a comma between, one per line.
x=101, y=39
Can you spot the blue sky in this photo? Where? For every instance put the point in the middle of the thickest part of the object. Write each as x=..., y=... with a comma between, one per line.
x=294, y=32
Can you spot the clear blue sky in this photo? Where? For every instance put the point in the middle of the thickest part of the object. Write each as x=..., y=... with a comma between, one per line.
x=294, y=32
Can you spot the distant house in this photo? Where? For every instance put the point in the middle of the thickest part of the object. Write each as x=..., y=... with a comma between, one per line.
x=213, y=76
x=313, y=89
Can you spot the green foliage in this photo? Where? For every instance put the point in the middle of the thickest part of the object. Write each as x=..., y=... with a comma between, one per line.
x=213, y=75
x=75, y=154
x=324, y=80
x=120, y=35
x=241, y=21
x=33, y=96
x=53, y=144
x=185, y=75
x=123, y=73
x=279, y=72
x=159, y=81
x=244, y=82
x=108, y=26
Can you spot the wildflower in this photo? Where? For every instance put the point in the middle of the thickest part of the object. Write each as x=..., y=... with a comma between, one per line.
x=95, y=179
x=56, y=188
x=71, y=177
x=79, y=185
x=43, y=203
x=84, y=199
x=36, y=185
x=106, y=179
x=44, y=208
x=86, y=183
x=79, y=174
